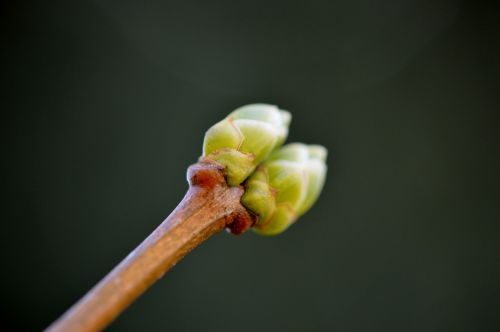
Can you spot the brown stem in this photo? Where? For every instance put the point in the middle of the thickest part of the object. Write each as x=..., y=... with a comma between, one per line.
x=208, y=207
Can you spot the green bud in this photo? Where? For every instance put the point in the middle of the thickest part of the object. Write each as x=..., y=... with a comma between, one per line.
x=285, y=186
x=245, y=138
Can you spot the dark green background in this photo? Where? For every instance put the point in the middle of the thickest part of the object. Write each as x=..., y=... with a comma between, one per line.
x=104, y=105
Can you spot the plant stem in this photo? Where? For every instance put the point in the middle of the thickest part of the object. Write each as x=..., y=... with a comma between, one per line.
x=208, y=207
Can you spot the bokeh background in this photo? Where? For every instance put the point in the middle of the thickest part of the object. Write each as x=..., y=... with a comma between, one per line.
x=105, y=103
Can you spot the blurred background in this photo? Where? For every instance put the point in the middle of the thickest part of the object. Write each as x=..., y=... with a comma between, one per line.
x=105, y=103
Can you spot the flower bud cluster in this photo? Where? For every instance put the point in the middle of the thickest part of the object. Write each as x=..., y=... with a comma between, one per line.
x=281, y=184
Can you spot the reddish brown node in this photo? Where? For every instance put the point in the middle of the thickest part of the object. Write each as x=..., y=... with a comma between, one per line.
x=206, y=174
x=241, y=221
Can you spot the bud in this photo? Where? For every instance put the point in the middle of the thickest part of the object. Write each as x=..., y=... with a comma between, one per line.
x=245, y=138
x=285, y=186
